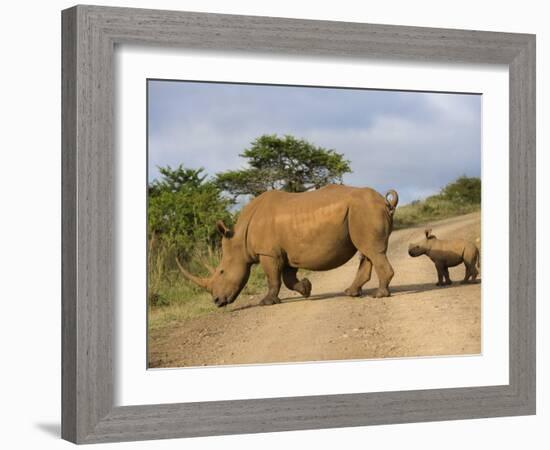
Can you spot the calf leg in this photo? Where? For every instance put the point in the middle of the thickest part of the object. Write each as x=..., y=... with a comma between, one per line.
x=474, y=265
x=440, y=271
x=473, y=272
x=446, y=278
x=302, y=286
x=470, y=273
x=362, y=276
x=272, y=269
x=466, y=274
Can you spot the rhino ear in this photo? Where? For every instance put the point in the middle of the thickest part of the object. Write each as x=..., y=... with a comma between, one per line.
x=428, y=232
x=223, y=229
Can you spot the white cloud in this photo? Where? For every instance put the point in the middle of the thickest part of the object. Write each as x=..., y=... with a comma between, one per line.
x=453, y=109
x=395, y=152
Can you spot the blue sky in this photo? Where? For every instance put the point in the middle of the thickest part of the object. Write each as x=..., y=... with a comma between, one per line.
x=413, y=142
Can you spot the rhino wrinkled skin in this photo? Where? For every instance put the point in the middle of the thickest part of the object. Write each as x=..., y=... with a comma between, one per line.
x=314, y=230
x=448, y=253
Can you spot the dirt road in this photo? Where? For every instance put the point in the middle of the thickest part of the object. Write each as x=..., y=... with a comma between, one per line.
x=418, y=319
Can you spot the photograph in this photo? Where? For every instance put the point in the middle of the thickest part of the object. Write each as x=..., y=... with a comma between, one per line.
x=275, y=225
x=294, y=224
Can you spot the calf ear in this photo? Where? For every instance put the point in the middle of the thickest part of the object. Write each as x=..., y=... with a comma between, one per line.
x=428, y=232
x=223, y=229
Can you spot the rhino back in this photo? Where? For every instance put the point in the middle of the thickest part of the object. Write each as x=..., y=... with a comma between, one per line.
x=309, y=230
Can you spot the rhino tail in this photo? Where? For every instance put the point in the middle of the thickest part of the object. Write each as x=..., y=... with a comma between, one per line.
x=478, y=262
x=391, y=200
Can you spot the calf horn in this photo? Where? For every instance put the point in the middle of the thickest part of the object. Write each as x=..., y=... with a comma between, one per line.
x=202, y=282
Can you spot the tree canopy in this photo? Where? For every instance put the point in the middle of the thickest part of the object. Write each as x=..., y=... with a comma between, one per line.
x=286, y=163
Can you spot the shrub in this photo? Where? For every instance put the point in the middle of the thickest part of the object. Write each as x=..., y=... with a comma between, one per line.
x=466, y=190
x=459, y=197
x=183, y=207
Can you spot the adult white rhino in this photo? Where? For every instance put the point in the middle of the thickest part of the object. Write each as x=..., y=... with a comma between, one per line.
x=315, y=230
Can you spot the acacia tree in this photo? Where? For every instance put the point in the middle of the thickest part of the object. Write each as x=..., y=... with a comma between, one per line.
x=287, y=163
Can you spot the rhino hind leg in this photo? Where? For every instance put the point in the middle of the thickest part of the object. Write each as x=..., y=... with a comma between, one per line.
x=369, y=235
x=384, y=270
x=272, y=269
x=292, y=282
x=363, y=275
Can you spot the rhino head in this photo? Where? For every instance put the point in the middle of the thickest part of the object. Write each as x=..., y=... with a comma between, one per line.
x=225, y=282
x=423, y=246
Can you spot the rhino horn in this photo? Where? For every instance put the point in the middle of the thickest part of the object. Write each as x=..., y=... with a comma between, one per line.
x=209, y=267
x=199, y=281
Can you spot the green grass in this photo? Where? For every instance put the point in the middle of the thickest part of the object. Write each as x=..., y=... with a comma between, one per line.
x=177, y=299
x=433, y=208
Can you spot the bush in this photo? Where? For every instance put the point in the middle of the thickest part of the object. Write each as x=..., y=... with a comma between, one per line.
x=464, y=190
x=459, y=197
x=183, y=207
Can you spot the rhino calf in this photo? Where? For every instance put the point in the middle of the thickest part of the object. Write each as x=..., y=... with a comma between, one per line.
x=448, y=253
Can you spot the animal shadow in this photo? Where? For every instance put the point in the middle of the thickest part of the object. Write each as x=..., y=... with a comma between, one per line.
x=402, y=289
x=324, y=296
x=425, y=287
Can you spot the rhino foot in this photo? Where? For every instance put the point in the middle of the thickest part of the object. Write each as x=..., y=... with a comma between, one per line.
x=270, y=300
x=305, y=288
x=381, y=292
x=353, y=292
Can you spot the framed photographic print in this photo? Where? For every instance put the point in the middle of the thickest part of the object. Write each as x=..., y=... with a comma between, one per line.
x=277, y=224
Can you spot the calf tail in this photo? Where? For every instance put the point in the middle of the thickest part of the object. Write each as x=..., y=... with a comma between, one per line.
x=391, y=200
x=478, y=262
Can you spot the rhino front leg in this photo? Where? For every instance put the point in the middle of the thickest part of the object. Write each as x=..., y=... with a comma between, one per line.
x=272, y=269
x=291, y=281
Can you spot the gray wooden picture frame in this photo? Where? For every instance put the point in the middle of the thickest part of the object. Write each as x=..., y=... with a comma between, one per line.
x=90, y=34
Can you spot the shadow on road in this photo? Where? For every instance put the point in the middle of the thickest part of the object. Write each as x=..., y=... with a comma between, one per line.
x=424, y=287
x=328, y=295
x=242, y=308
x=400, y=290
